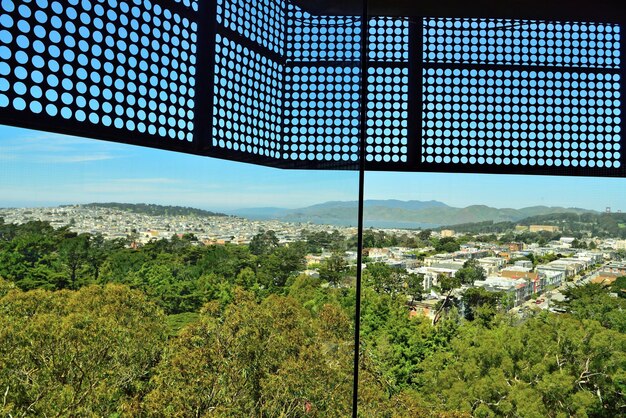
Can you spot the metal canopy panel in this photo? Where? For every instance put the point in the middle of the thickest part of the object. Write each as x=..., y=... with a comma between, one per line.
x=572, y=10
x=121, y=71
x=491, y=88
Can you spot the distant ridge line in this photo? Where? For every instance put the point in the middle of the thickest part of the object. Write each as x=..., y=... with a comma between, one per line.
x=154, y=209
x=400, y=214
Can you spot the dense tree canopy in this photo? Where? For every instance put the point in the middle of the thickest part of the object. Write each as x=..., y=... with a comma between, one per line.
x=548, y=366
x=467, y=275
x=76, y=353
x=90, y=327
x=594, y=302
x=272, y=358
x=447, y=245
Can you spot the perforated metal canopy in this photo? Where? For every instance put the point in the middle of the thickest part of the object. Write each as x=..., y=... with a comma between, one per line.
x=269, y=82
x=563, y=10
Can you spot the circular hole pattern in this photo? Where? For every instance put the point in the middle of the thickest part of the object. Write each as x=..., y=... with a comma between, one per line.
x=321, y=38
x=189, y=3
x=261, y=21
x=503, y=41
x=247, y=104
x=528, y=118
x=388, y=40
x=321, y=113
x=387, y=107
x=123, y=64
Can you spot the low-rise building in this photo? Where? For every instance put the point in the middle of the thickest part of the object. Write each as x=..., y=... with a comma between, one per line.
x=377, y=254
x=432, y=275
x=524, y=263
x=552, y=277
x=491, y=265
x=620, y=244
x=437, y=258
x=597, y=257
x=471, y=252
x=516, y=272
x=454, y=265
x=518, y=290
x=312, y=259
x=615, y=267
x=312, y=273
x=425, y=308
x=547, y=228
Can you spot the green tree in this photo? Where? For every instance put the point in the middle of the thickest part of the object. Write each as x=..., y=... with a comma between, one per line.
x=211, y=287
x=98, y=251
x=333, y=269
x=470, y=272
x=414, y=286
x=263, y=243
x=619, y=286
x=380, y=277
x=547, y=366
x=6, y=287
x=74, y=256
x=424, y=234
x=392, y=280
x=28, y=254
x=467, y=275
x=278, y=361
x=480, y=304
x=76, y=353
x=395, y=343
x=593, y=302
x=282, y=263
x=246, y=278
x=447, y=245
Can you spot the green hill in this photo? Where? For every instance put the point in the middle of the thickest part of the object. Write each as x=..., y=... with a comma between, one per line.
x=398, y=214
x=572, y=223
x=154, y=210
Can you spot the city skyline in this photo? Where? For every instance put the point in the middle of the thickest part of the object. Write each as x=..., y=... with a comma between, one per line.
x=44, y=169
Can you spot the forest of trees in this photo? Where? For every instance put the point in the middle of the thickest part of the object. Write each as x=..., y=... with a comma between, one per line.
x=90, y=327
x=611, y=225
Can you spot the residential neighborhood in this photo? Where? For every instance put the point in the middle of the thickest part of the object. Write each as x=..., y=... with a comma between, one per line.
x=143, y=228
x=522, y=272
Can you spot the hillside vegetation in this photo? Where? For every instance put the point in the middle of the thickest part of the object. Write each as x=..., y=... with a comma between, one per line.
x=155, y=210
x=570, y=224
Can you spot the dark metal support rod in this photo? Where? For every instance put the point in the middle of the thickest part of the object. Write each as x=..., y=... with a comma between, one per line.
x=205, y=76
x=359, y=254
x=415, y=105
x=487, y=66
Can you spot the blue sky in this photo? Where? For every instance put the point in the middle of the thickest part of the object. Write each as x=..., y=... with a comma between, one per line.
x=40, y=169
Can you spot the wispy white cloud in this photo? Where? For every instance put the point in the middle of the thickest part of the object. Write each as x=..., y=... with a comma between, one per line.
x=155, y=180
x=68, y=159
x=47, y=148
x=121, y=190
x=45, y=167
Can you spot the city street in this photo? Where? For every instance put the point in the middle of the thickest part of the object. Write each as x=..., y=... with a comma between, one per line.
x=549, y=299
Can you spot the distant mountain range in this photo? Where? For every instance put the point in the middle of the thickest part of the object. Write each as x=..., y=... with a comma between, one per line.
x=399, y=214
